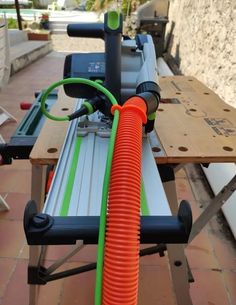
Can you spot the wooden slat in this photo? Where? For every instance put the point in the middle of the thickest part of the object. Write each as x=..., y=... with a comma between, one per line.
x=48, y=145
x=200, y=128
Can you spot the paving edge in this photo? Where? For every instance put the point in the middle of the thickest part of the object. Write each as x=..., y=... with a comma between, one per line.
x=26, y=59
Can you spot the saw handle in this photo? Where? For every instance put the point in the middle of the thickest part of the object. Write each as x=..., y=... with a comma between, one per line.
x=88, y=30
x=111, y=32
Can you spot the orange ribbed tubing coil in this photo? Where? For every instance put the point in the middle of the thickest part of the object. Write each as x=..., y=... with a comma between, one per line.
x=121, y=255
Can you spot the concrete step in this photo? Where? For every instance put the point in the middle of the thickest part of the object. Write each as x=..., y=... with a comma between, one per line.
x=24, y=53
x=16, y=36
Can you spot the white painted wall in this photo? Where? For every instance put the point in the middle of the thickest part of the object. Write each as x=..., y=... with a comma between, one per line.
x=4, y=54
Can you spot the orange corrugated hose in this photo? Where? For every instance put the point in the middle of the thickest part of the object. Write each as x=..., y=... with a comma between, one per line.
x=121, y=257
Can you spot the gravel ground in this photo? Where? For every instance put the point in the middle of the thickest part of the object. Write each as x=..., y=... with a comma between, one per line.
x=64, y=43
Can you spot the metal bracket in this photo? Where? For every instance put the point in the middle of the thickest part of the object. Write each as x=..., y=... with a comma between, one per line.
x=41, y=276
x=36, y=275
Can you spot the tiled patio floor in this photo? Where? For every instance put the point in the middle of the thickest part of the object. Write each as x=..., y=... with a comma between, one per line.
x=211, y=256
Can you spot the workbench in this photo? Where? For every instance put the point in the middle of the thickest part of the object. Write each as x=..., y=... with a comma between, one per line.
x=193, y=125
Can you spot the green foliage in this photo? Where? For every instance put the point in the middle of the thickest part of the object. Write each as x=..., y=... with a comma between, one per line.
x=12, y=23
x=7, y=6
x=102, y=4
x=89, y=5
x=12, y=6
x=36, y=4
x=127, y=6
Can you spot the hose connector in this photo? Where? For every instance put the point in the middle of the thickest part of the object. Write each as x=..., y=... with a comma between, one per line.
x=89, y=106
x=135, y=103
x=150, y=92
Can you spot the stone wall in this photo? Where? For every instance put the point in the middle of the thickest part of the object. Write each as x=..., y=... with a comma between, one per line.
x=202, y=39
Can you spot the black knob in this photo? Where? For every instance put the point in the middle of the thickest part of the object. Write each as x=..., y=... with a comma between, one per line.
x=40, y=220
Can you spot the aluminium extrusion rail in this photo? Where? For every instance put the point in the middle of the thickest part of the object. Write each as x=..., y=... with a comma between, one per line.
x=72, y=207
x=86, y=194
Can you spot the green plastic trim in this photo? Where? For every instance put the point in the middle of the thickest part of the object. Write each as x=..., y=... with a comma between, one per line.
x=152, y=116
x=144, y=206
x=100, y=81
x=70, y=179
x=89, y=107
x=113, y=21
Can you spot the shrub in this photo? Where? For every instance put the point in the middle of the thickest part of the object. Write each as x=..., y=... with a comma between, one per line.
x=12, y=23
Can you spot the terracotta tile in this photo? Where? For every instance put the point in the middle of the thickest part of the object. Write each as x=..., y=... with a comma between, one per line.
x=24, y=252
x=200, y=253
x=12, y=101
x=208, y=288
x=183, y=189
x=16, y=181
x=230, y=281
x=21, y=164
x=17, y=203
x=50, y=293
x=224, y=250
x=87, y=254
x=7, y=267
x=17, y=291
x=55, y=252
x=18, y=89
x=12, y=238
x=154, y=259
x=79, y=289
x=155, y=287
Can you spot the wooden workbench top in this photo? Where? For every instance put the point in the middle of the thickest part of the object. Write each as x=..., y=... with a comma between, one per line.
x=51, y=138
x=193, y=125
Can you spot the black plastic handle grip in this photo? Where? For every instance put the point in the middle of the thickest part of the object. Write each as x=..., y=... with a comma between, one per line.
x=43, y=229
x=89, y=30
